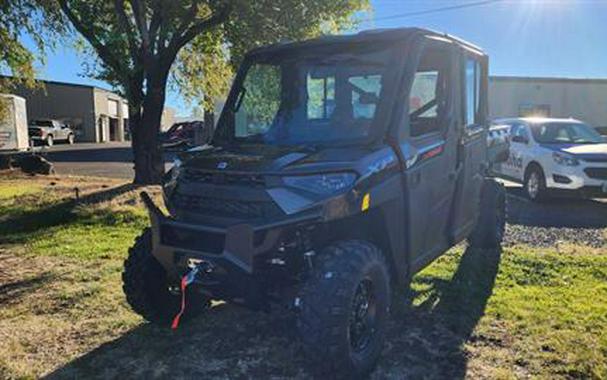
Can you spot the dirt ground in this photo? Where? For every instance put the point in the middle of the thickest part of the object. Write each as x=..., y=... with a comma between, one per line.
x=65, y=340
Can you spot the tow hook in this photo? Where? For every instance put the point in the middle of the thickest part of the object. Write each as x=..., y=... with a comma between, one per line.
x=200, y=269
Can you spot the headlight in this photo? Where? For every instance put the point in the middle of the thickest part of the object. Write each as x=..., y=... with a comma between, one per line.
x=564, y=159
x=323, y=184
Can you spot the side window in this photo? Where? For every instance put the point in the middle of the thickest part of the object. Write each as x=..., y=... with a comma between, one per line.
x=321, y=97
x=428, y=95
x=473, y=85
x=518, y=133
x=423, y=92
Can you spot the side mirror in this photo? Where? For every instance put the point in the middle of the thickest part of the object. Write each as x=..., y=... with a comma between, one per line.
x=519, y=139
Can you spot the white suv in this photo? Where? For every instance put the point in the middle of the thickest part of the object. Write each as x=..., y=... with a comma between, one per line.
x=555, y=156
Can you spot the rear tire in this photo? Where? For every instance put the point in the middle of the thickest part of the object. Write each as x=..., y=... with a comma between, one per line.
x=70, y=139
x=491, y=224
x=535, y=184
x=49, y=140
x=147, y=290
x=344, y=310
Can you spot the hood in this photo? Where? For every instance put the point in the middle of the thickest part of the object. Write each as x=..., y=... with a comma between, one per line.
x=272, y=159
x=581, y=151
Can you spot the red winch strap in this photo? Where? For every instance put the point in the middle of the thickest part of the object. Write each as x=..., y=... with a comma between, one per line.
x=185, y=281
x=178, y=316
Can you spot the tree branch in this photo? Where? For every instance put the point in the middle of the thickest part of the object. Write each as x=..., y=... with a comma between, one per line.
x=155, y=23
x=180, y=40
x=104, y=53
x=125, y=25
x=139, y=8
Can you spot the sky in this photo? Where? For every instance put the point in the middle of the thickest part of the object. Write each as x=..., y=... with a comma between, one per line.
x=545, y=38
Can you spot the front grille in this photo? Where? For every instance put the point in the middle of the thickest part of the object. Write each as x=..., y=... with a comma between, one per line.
x=596, y=173
x=228, y=208
x=201, y=176
x=191, y=239
x=596, y=159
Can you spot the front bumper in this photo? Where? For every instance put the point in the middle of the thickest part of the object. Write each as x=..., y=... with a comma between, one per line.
x=233, y=249
x=577, y=180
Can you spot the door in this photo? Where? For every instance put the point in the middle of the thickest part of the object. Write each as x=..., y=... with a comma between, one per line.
x=430, y=153
x=519, y=144
x=63, y=131
x=472, y=158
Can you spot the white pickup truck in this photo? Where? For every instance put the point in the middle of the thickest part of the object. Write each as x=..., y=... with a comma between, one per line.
x=555, y=157
x=48, y=131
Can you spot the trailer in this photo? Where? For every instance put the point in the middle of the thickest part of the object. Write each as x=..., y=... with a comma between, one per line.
x=13, y=125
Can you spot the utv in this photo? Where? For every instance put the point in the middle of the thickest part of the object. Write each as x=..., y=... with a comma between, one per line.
x=340, y=167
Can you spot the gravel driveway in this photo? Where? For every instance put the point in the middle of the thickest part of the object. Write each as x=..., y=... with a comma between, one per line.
x=577, y=221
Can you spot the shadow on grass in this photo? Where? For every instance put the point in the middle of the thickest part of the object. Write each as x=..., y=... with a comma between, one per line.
x=19, y=228
x=423, y=341
x=12, y=291
x=427, y=339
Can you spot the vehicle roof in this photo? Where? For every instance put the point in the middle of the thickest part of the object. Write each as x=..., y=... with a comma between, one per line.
x=536, y=120
x=372, y=35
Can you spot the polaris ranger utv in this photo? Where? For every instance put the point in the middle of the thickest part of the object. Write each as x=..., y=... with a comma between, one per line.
x=340, y=167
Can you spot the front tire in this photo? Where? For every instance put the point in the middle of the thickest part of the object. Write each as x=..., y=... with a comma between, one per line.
x=535, y=184
x=491, y=224
x=146, y=286
x=70, y=139
x=49, y=140
x=344, y=310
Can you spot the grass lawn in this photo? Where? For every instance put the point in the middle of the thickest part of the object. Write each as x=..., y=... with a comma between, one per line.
x=522, y=312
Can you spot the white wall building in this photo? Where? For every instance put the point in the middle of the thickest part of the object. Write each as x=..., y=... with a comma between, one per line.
x=583, y=99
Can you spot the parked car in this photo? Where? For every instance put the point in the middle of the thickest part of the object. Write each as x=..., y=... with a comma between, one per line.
x=555, y=157
x=48, y=131
x=184, y=135
x=321, y=196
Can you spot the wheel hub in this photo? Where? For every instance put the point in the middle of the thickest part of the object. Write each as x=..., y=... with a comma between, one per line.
x=362, y=316
x=533, y=185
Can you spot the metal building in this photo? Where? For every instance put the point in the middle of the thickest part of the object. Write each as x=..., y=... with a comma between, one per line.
x=583, y=99
x=95, y=114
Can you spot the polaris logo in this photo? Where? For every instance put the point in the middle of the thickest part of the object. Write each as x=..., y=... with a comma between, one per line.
x=222, y=165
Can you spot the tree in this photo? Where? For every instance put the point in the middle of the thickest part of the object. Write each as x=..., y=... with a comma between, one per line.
x=37, y=18
x=257, y=24
x=138, y=42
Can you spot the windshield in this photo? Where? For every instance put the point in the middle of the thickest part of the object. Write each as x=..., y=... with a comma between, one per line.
x=565, y=133
x=320, y=99
x=41, y=123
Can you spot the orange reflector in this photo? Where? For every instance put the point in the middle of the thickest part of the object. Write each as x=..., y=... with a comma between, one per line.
x=366, y=202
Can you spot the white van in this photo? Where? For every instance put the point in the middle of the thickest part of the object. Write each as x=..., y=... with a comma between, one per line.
x=13, y=127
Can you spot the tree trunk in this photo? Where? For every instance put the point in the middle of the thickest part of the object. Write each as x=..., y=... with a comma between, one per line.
x=209, y=121
x=145, y=127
